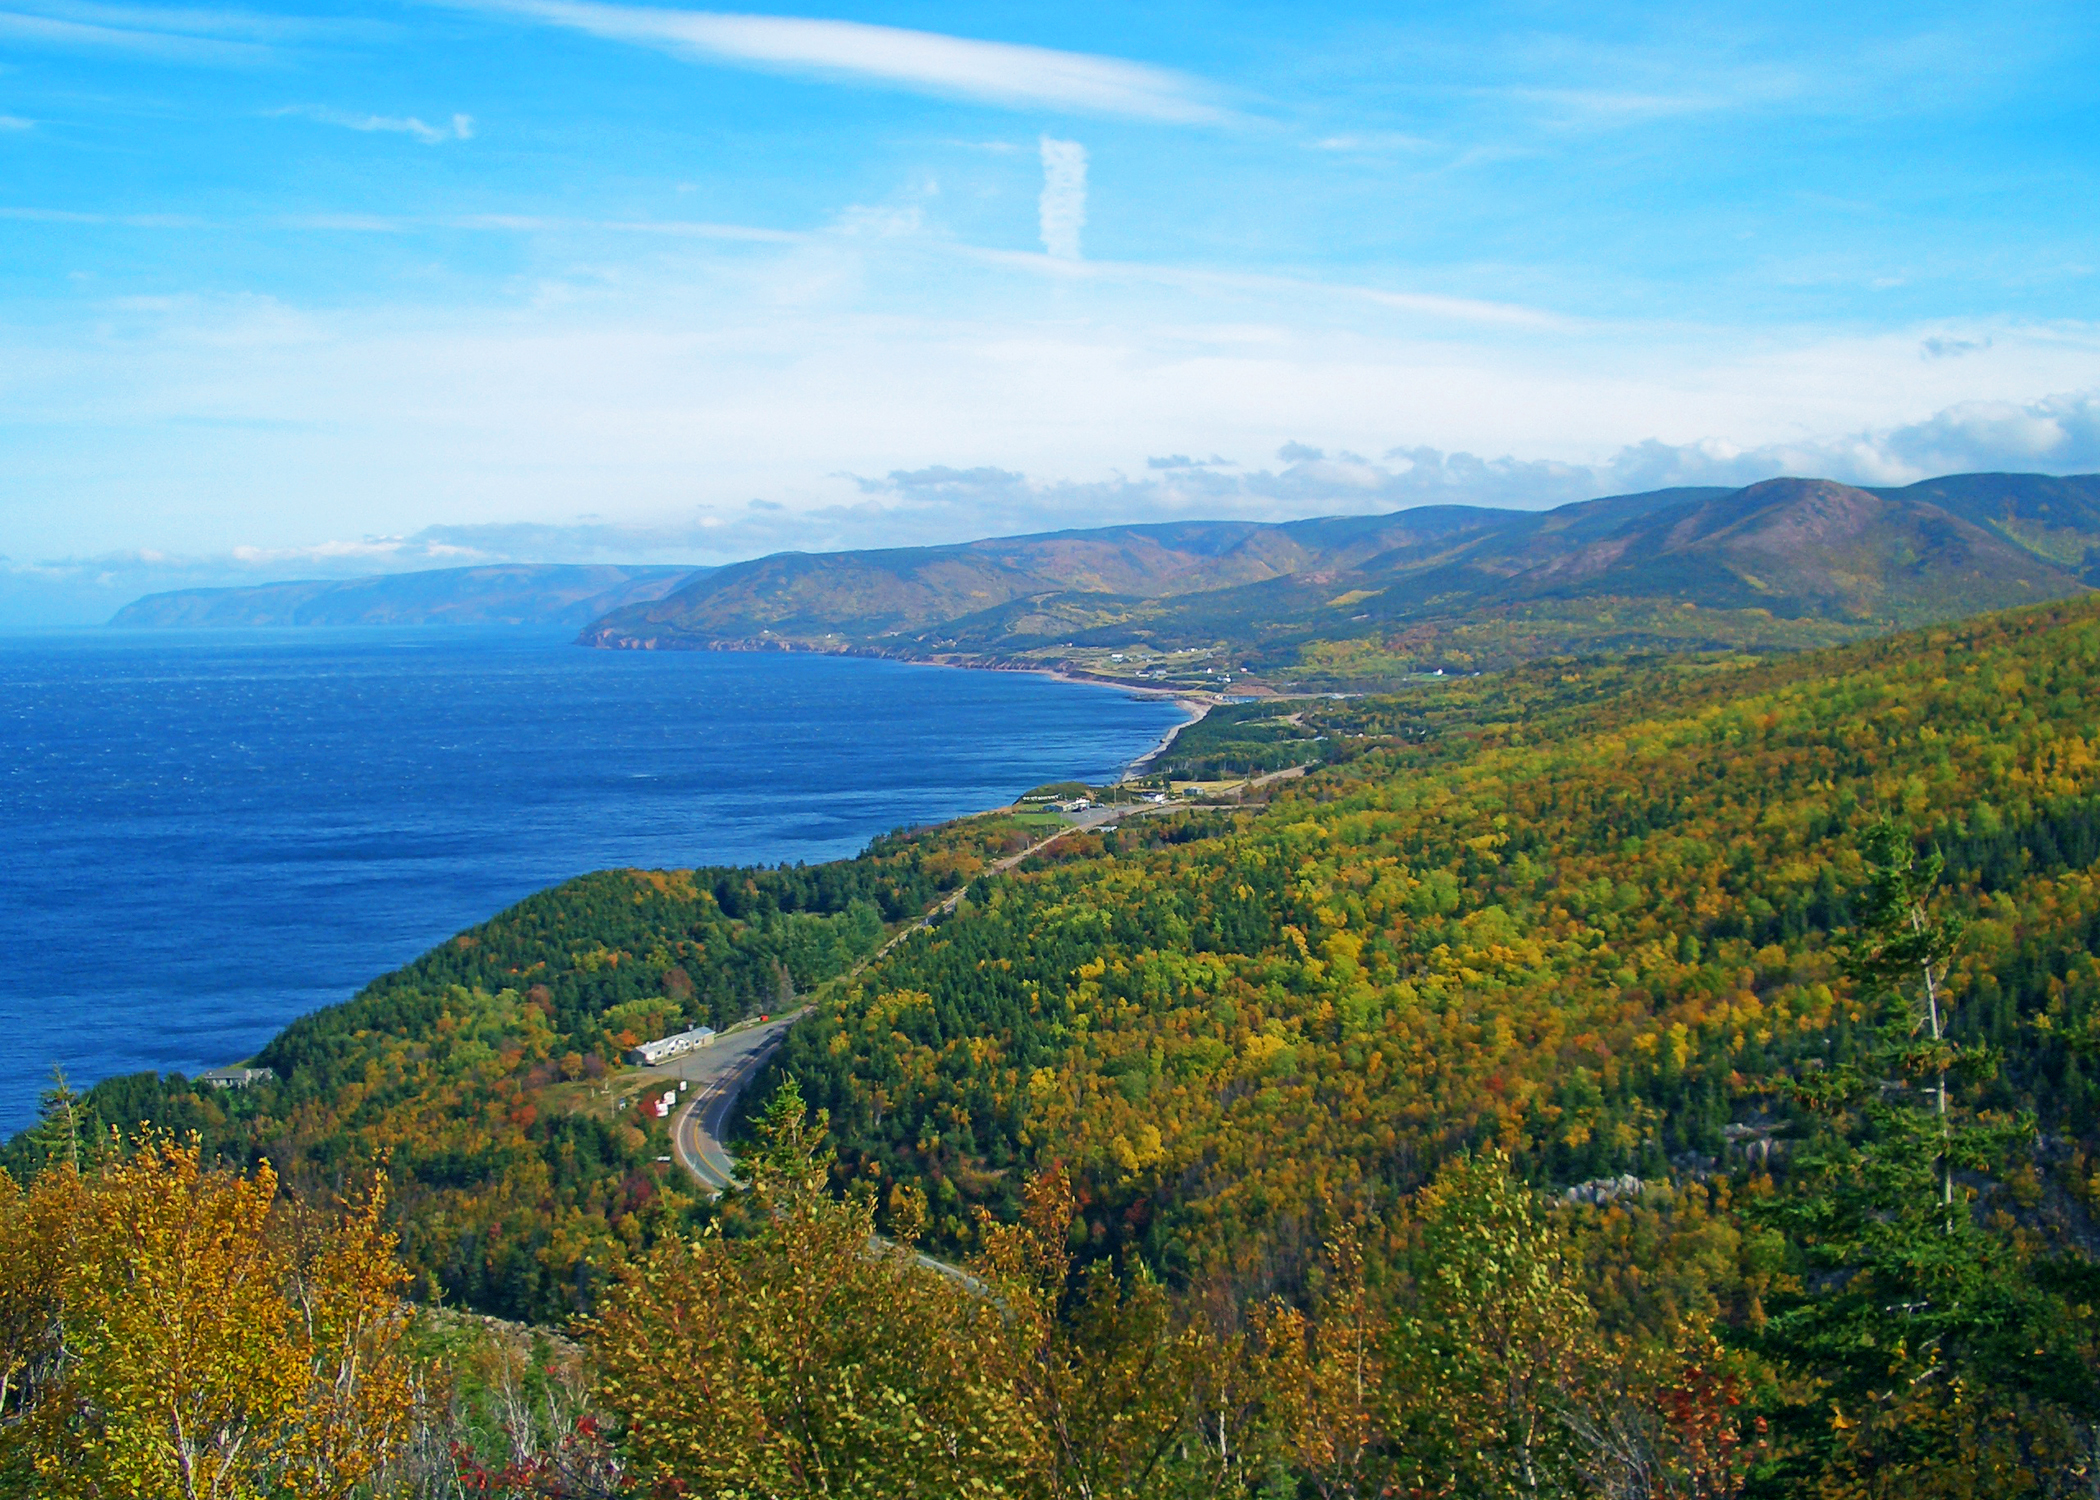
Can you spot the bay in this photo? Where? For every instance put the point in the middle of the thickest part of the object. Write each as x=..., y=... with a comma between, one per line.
x=205, y=835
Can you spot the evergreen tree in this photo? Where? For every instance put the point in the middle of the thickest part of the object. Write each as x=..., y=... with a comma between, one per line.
x=1913, y=1313
x=55, y=1139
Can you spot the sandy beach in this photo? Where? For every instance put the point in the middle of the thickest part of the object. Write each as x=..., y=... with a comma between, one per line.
x=1195, y=708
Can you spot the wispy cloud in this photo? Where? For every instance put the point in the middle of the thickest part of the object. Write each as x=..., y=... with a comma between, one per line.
x=167, y=45
x=167, y=33
x=1611, y=107
x=1370, y=142
x=687, y=229
x=1062, y=207
x=16, y=122
x=1423, y=304
x=999, y=73
x=29, y=215
x=458, y=128
x=185, y=20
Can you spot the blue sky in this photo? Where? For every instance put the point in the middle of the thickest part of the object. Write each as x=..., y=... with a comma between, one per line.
x=326, y=288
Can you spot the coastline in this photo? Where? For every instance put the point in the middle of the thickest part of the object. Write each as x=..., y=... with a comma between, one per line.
x=606, y=640
x=962, y=752
x=1196, y=709
x=1196, y=705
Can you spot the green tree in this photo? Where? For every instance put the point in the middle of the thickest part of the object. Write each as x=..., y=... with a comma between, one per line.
x=1913, y=1313
x=1487, y=1360
x=55, y=1139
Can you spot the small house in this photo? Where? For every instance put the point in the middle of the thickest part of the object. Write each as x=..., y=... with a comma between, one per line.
x=663, y=1049
x=236, y=1078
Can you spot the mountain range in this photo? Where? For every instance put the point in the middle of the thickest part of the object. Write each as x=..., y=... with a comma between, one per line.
x=558, y=594
x=1786, y=562
x=1335, y=601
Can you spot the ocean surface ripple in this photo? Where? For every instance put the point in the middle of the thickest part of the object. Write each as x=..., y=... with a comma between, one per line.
x=204, y=835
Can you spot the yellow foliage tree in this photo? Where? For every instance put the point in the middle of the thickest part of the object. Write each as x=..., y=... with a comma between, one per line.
x=1097, y=1361
x=172, y=1330
x=1327, y=1374
x=807, y=1357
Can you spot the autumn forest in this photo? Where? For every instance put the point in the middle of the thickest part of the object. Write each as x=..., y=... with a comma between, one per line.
x=1666, y=1076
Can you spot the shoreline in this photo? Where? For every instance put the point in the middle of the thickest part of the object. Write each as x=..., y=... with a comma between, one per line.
x=1198, y=709
x=1095, y=740
x=606, y=641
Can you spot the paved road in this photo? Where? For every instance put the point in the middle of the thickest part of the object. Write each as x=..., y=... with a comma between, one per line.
x=716, y=1076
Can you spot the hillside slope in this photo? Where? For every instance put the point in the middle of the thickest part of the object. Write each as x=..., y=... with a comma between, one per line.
x=553, y=594
x=1585, y=912
x=489, y=1074
x=1350, y=600
x=1582, y=911
x=1518, y=1038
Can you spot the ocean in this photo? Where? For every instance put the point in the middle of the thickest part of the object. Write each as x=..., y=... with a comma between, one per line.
x=204, y=835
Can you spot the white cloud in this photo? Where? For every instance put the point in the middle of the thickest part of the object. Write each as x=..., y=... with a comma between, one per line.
x=458, y=128
x=947, y=503
x=1370, y=142
x=1063, y=204
x=16, y=122
x=168, y=33
x=725, y=363
x=78, y=36
x=2058, y=434
x=994, y=72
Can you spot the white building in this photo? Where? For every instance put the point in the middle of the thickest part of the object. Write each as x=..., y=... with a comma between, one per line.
x=649, y=1054
x=235, y=1078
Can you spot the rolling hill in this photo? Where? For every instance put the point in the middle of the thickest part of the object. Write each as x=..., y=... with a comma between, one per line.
x=1592, y=929
x=1784, y=563
x=500, y=594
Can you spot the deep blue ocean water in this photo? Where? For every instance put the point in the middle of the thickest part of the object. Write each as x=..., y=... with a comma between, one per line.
x=205, y=835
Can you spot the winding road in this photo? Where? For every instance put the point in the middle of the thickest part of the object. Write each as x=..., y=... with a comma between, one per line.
x=716, y=1075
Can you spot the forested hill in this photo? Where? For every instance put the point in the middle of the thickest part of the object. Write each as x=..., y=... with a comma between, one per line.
x=551, y=594
x=1581, y=911
x=488, y=1074
x=1351, y=601
x=1554, y=1055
